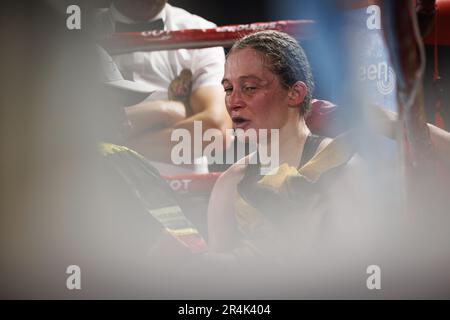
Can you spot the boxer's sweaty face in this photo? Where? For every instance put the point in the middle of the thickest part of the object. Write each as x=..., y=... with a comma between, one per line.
x=253, y=94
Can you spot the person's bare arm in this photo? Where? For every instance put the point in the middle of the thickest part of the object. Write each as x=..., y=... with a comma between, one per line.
x=387, y=122
x=152, y=115
x=208, y=107
x=441, y=142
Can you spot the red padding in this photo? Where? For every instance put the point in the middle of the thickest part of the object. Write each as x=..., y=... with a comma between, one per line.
x=441, y=30
x=326, y=119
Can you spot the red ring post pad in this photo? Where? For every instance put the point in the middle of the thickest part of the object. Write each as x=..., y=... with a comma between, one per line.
x=119, y=43
x=440, y=34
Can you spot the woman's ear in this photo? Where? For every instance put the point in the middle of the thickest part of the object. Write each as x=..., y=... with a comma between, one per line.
x=297, y=93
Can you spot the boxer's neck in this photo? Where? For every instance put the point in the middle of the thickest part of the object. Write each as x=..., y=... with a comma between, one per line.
x=292, y=139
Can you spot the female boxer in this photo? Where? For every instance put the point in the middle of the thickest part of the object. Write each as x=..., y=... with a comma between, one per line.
x=268, y=85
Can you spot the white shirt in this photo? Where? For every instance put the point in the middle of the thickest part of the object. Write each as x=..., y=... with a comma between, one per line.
x=157, y=69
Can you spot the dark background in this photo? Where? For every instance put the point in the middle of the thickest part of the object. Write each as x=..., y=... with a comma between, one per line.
x=233, y=11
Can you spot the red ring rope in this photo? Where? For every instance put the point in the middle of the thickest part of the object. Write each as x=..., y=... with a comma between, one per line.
x=225, y=36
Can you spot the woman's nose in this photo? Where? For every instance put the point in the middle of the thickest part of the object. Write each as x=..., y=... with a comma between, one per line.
x=235, y=100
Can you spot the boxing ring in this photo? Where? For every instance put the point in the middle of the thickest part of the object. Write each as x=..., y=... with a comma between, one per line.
x=412, y=134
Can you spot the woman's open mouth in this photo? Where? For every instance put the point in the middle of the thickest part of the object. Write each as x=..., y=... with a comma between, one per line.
x=239, y=122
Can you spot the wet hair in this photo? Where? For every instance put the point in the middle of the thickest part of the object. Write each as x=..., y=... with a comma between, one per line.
x=284, y=57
